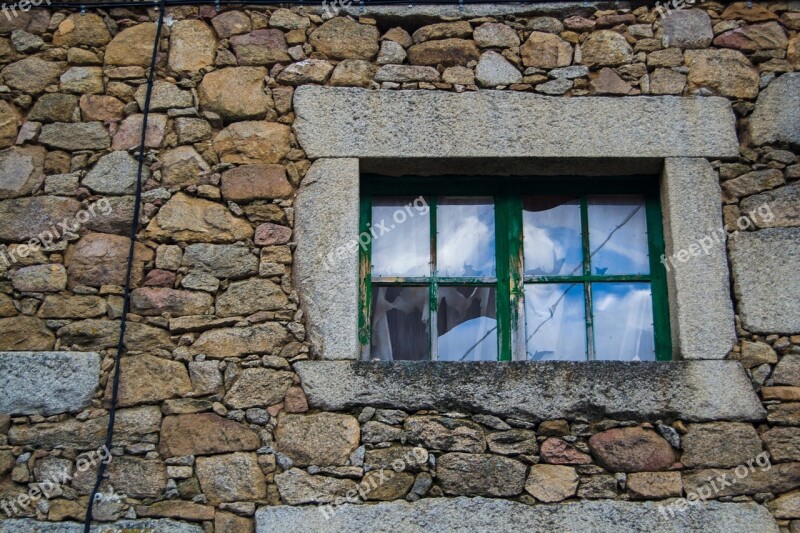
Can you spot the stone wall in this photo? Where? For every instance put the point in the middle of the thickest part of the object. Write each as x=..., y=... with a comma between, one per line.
x=213, y=420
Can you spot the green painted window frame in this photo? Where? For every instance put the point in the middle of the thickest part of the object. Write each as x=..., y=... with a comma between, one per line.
x=510, y=281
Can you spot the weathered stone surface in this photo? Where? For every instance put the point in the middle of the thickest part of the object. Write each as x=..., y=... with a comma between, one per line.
x=249, y=296
x=323, y=439
x=306, y=71
x=80, y=28
x=132, y=46
x=261, y=47
x=270, y=234
x=285, y=19
x=787, y=372
x=512, y=125
x=72, y=136
x=165, y=96
x=221, y=260
x=72, y=306
x=387, y=485
x=235, y=93
x=183, y=166
x=776, y=117
x=47, y=383
x=96, y=334
x=54, y=107
x=80, y=80
x=447, y=52
x=443, y=30
x=129, y=132
x=231, y=23
x=667, y=81
x=606, y=48
x=390, y=53
x=253, y=182
x=406, y=73
x=9, y=123
x=754, y=354
x=24, y=218
x=204, y=434
x=748, y=12
x=233, y=342
x=196, y=220
x=783, y=203
x=344, y=38
x=99, y=107
x=192, y=46
x=654, y=485
x=22, y=169
x=631, y=450
x=724, y=72
x=552, y=483
x=687, y=28
x=357, y=72
x=153, y=301
x=559, y=452
x=29, y=524
x=177, y=509
x=407, y=457
x=786, y=505
x=777, y=478
x=783, y=443
x=750, y=38
x=32, y=74
x=258, y=387
x=40, y=278
x=115, y=173
x=231, y=523
x=138, y=478
x=493, y=70
x=253, y=142
x=495, y=35
x=719, y=444
x=149, y=379
x=753, y=182
x=765, y=281
x=465, y=474
x=24, y=333
x=683, y=390
x=447, y=434
x=101, y=259
x=439, y=515
x=297, y=487
x=545, y=50
x=231, y=478
x=607, y=81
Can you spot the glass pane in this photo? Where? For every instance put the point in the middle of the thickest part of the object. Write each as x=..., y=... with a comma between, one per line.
x=467, y=323
x=551, y=229
x=618, y=235
x=400, y=323
x=623, y=322
x=555, y=322
x=400, y=234
x=465, y=236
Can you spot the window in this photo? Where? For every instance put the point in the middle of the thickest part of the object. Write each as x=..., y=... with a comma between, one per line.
x=488, y=269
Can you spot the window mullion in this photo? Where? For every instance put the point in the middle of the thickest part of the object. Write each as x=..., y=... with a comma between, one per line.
x=587, y=271
x=365, y=262
x=658, y=287
x=433, y=303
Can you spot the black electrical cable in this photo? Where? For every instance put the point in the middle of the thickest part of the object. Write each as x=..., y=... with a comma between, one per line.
x=127, y=292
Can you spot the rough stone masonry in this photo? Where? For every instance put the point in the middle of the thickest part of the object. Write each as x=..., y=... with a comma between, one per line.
x=215, y=431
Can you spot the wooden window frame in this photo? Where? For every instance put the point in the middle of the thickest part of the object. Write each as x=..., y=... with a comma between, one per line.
x=510, y=280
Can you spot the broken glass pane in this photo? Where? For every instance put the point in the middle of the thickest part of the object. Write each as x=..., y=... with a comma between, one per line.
x=467, y=324
x=623, y=321
x=465, y=240
x=618, y=235
x=555, y=322
x=400, y=323
x=551, y=229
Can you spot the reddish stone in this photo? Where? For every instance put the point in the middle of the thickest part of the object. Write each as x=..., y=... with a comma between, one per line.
x=159, y=278
x=273, y=410
x=153, y=301
x=295, y=401
x=559, y=452
x=101, y=259
x=609, y=21
x=579, y=24
x=254, y=182
x=754, y=37
x=631, y=450
x=269, y=234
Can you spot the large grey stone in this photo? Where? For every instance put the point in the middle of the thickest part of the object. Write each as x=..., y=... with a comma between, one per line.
x=700, y=303
x=776, y=117
x=766, y=279
x=115, y=173
x=324, y=252
x=34, y=526
x=72, y=136
x=686, y=390
x=47, y=383
x=687, y=28
x=439, y=515
x=352, y=122
x=782, y=207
